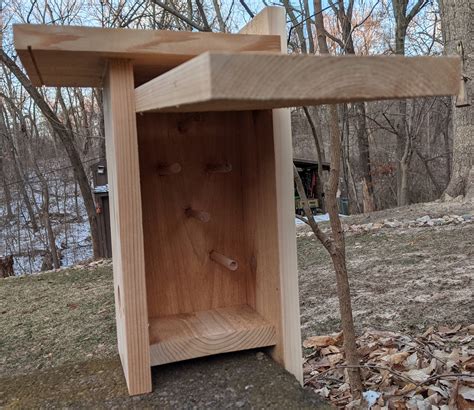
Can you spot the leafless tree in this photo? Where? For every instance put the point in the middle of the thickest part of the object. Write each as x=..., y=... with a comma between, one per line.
x=457, y=17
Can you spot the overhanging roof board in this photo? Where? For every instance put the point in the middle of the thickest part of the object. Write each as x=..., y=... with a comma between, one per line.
x=76, y=56
x=246, y=81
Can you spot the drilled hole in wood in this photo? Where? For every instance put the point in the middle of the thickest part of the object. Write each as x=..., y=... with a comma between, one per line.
x=219, y=168
x=202, y=216
x=169, y=169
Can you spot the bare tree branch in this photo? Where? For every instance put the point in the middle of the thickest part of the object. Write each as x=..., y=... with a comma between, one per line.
x=179, y=15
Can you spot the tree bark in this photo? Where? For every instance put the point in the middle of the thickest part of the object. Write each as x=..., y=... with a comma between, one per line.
x=457, y=20
x=321, y=160
x=18, y=171
x=344, y=16
x=220, y=20
x=403, y=18
x=337, y=249
x=6, y=188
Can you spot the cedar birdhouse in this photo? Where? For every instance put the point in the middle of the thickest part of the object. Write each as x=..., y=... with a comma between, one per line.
x=200, y=174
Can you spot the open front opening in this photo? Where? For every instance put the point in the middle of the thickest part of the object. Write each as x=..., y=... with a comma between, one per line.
x=210, y=232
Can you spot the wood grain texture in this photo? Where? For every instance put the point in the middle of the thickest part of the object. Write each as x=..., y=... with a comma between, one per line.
x=76, y=56
x=126, y=226
x=285, y=312
x=181, y=277
x=261, y=222
x=186, y=336
x=227, y=81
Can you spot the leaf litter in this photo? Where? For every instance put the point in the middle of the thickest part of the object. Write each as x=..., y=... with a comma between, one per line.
x=433, y=370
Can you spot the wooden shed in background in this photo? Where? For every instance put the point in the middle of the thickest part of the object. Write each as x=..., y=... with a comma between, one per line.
x=201, y=180
x=102, y=207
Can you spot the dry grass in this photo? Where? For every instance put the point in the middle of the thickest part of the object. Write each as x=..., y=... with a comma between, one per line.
x=51, y=319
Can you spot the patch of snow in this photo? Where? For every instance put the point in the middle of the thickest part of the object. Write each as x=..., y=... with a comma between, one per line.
x=100, y=189
x=318, y=218
x=371, y=397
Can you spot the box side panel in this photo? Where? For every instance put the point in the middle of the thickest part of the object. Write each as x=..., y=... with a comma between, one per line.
x=261, y=222
x=272, y=21
x=126, y=227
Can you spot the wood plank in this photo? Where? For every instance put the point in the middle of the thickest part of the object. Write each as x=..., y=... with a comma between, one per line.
x=279, y=302
x=126, y=226
x=181, y=277
x=259, y=203
x=227, y=81
x=186, y=336
x=76, y=56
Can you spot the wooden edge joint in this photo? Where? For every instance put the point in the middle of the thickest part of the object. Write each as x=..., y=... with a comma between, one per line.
x=35, y=65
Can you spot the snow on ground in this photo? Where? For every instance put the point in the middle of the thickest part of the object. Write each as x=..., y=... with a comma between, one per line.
x=317, y=218
x=70, y=226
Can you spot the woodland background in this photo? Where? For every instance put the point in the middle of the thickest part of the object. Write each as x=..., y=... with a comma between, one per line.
x=393, y=153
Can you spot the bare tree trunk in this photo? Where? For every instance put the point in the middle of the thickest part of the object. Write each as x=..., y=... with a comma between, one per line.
x=338, y=256
x=309, y=28
x=6, y=188
x=220, y=20
x=364, y=158
x=67, y=139
x=297, y=27
x=447, y=151
x=429, y=172
x=336, y=248
x=403, y=17
x=321, y=160
x=47, y=223
x=19, y=176
x=456, y=19
x=46, y=220
x=344, y=16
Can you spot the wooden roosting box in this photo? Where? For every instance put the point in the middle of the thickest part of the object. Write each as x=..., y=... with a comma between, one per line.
x=200, y=174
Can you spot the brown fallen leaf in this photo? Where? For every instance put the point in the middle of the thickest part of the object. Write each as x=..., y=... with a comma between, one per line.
x=386, y=356
x=453, y=395
x=395, y=358
x=467, y=393
x=432, y=389
x=330, y=350
x=448, y=331
x=417, y=375
x=465, y=398
x=428, y=332
x=323, y=341
x=469, y=364
x=335, y=358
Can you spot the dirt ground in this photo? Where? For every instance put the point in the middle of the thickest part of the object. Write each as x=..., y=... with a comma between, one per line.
x=57, y=341
x=402, y=279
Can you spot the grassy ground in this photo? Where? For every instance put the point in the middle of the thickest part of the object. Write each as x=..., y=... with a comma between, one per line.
x=44, y=316
x=58, y=349
x=57, y=340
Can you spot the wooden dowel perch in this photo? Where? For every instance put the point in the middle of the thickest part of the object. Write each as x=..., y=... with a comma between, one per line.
x=219, y=168
x=169, y=169
x=224, y=261
x=200, y=215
